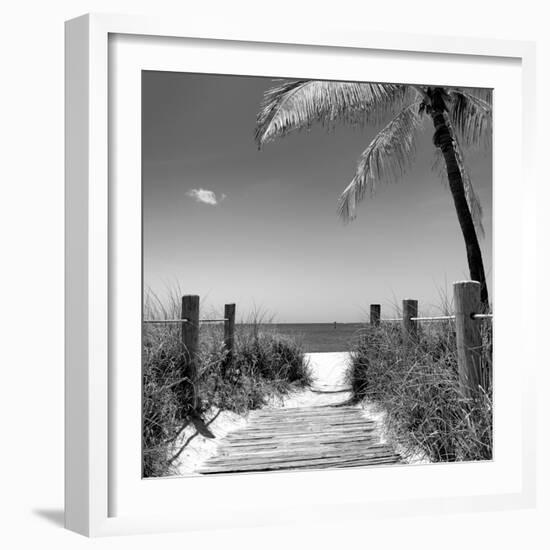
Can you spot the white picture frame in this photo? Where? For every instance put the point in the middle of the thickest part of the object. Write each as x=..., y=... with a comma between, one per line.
x=101, y=498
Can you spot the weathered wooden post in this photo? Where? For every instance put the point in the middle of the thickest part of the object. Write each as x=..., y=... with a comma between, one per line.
x=229, y=330
x=410, y=310
x=467, y=301
x=190, y=340
x=375, y=314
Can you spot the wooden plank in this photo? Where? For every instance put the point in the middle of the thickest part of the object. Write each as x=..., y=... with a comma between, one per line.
x=348, y=452
x=298, y=464
x=306, y=428
x=250, y=447
x=303, y=427
x=294, y=451
x=306, y=410
x=315, y=437
x=299, y=436
x=310, y=416
x=269, y=461
x=309, y=424
x=367, y=447
x=279, y=455
x=305, y=420
x=333, y=388
x=303, y=443
x=309, y=420
x=320, y=438
x=338, y=463
x=312, y=420
x=317, y=442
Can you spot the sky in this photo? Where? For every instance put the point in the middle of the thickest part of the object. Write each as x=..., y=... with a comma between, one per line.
x=260, y=228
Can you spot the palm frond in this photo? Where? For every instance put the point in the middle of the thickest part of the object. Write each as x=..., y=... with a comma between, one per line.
x=486, y=94
x=386, y=159
x=298, y=104
x=471, y=116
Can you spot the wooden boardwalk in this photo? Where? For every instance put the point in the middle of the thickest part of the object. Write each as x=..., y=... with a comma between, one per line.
x=310, y=437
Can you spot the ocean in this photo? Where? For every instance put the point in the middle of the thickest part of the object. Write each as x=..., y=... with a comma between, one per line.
x=314, y=337
x=318, y=337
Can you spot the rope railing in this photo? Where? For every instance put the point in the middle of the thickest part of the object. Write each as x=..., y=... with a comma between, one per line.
x=163, y=321
x=190, y=335
x=440, y=318
x=436, y=318
x=158, y=321
x=468, y=331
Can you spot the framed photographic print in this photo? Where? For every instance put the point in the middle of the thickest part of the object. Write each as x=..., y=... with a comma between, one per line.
x=289, y=266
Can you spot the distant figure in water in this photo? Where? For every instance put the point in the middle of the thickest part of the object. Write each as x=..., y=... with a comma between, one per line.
x=334, y=324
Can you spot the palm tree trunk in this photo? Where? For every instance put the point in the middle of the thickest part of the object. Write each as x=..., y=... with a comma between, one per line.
x=443, y=140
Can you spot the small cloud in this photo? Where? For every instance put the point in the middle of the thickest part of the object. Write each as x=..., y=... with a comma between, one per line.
x=205, y=196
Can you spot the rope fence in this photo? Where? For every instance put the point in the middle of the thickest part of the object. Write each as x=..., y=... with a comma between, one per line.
x=159, y=321
x=440, y=318
x=482, y=316
x=467, y=300
x=190, y=322
x=436, y=318
x=468, y=332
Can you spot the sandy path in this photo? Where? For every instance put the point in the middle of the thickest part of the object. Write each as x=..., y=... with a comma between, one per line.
x=329, y=385
x=329, y=388
x=312, y=429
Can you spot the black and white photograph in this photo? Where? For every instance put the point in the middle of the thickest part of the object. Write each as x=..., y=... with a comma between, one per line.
x=317, y=265
x=275, y=275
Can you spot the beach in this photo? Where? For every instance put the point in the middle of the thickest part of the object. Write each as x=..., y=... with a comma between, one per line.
x=329, y=388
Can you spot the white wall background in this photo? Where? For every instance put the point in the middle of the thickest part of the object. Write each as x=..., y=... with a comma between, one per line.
x=31, y=268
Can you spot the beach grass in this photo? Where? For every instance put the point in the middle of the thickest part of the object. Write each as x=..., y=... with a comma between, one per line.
x=415, y=383
x=263, y=365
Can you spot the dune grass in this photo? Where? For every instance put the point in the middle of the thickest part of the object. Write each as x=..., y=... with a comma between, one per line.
x=416, y=385
x=264, y=365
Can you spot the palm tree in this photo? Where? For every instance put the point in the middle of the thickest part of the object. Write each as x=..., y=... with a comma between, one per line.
x=458, y=115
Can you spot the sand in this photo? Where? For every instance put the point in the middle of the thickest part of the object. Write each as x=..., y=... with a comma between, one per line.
x=329, y=385
x=329, y=388
x=199, y=448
